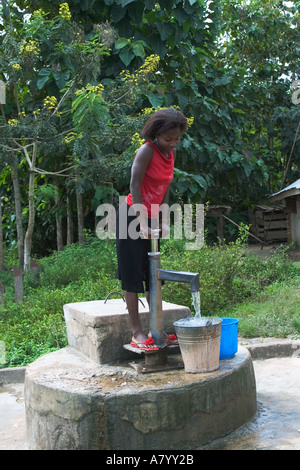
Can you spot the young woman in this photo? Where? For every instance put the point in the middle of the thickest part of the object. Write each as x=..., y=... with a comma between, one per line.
x=151, y=175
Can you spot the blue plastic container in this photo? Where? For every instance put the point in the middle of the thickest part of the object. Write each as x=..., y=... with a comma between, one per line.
x=229, y=338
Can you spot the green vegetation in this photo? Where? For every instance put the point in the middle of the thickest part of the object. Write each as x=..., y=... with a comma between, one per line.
x=263, y=294
x=79, y=80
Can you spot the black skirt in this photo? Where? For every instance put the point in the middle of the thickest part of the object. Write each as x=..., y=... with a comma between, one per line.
x=132, y=253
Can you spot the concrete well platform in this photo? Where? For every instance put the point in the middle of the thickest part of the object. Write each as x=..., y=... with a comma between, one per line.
x=73, y=403
x=88, y=396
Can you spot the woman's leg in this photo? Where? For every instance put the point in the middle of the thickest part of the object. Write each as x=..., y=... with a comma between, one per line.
x=133, y=310
x=147, y=295
x=138, y=335
x=132, y=264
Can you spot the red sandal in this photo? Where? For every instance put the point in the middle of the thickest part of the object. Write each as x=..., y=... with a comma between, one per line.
x=148, y=345
x=171, y=340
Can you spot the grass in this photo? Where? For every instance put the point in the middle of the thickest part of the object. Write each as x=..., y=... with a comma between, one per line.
x=263, y=294
x=275, y=312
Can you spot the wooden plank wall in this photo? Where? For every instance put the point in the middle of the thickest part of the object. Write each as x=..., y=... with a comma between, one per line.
x=268, y=224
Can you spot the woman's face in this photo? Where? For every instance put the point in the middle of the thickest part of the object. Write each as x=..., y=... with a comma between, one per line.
x=168, y=140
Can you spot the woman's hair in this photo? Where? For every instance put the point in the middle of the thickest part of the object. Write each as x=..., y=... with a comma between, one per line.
x=163, y=120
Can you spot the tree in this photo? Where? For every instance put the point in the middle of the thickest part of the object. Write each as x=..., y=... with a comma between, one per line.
x=36, y=58
x=64, y=134
x=227, y=64
x=182, y=34
x=260, y=39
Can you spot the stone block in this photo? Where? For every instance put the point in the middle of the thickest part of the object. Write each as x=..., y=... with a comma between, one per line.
x=100, y=329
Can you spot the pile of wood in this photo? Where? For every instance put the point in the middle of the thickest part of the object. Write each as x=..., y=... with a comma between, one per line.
x=269, y=224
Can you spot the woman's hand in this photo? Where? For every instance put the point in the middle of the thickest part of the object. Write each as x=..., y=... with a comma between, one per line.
x=145, y=232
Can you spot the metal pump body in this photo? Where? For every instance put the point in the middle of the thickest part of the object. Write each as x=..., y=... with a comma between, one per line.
x=156, y=275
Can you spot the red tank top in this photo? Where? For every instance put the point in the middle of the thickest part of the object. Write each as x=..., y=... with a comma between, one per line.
x=158, y=177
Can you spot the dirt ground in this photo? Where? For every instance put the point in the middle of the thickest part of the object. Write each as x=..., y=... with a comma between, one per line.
x=265, y=251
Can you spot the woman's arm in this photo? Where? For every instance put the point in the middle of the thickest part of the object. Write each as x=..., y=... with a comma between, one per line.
x=164, y=225
x=138, y=170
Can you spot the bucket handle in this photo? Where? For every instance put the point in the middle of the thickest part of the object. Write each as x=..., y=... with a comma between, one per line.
x=117, y=292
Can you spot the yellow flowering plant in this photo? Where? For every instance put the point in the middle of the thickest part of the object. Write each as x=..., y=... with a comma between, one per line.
x=30, y=47
x=90, y=89
x=64, y=11
x=50, y=103
x=89, y=106
x=150, y=66
x=137, y=141
x=190, y=121
x=148, y=111
x=13, y=122
x=70, y=137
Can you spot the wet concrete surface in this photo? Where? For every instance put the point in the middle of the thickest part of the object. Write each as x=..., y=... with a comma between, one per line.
x=276, y=425
x=12, y=417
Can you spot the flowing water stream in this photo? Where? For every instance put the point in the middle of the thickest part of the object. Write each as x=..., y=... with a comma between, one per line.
x=197, y=319
x=196, y=302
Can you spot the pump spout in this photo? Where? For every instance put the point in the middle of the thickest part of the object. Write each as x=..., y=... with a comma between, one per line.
x=180, y=276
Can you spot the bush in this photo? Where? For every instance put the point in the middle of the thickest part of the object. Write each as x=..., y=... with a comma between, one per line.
x=227, y=275
x=78, y=262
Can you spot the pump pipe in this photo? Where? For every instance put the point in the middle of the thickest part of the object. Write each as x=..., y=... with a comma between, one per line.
x=156, y=314
x=156, y=275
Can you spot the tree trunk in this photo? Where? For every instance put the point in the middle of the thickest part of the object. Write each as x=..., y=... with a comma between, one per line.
x=31, y=213
x=70, y=230
x=2, y=265
x=59, y=228
x=18, y=208
x=19, y=285
x=80, y=217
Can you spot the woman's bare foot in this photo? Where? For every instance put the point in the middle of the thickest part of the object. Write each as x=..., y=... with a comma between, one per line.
x=142, y=342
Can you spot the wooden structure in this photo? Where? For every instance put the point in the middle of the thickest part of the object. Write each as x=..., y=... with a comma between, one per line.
x=291, y=196
x=269, y=224
x=217, y=211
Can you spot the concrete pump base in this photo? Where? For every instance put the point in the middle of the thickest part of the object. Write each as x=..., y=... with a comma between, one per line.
x=74, y=403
